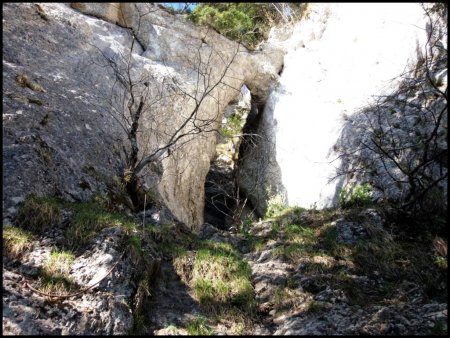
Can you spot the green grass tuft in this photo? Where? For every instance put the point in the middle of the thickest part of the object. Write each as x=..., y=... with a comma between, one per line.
x=16, y=241
x=89, y=218
x=199, y=327
x=38, y=213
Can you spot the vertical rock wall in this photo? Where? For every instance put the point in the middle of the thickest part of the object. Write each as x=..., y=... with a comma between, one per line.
x=336, y=59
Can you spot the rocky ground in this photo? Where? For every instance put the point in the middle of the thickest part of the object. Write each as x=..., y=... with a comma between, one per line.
x=317, y=289
x=310, y=273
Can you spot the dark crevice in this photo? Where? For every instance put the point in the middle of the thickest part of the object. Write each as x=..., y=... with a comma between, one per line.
x=281, y=70
x=223, y=198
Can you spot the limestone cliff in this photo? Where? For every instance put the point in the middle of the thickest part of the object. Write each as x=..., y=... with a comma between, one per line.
x=63, y=140
x=340, y=60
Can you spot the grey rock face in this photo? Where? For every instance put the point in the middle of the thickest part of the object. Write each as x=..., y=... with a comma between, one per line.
x=103, y=310
x=52, y=137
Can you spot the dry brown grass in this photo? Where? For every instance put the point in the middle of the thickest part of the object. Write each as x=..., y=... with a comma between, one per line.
x=16, y=241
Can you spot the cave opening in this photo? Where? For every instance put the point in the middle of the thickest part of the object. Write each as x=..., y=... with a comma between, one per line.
x=226, y=204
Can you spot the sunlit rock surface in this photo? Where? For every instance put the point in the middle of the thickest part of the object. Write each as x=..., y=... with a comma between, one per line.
x=337, y=58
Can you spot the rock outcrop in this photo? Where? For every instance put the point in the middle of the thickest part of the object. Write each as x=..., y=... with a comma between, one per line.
x=331, y=69
x=63, y=140
x=106, y=309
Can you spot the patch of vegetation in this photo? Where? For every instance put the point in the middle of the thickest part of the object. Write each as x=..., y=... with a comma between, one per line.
x=441, y=262
x=354, y=196
x=316, y=307
x=55, y=273
x=299, y=234
x=138, y=323
x=387, y=288
x=134, y=246
x=384, y=257
x=40, y=10
x=255, y=244
x=88, y=219
x=172, y=239
x=440, y=247
x=23, y=80
x=313, y=268
x=329, y=239
x=238, y=321
x=232, y=127
x=35, y=101
x=248, y=23
x=172, y=329
x=59, y=263
x=298, y=241
x=220, y=277
x=45, y=154
x=47, y=117
x=57, y=285
x=199, y=327
x=37, y=214
x=16, y=241
x=293, y=252
x=276, y=204
x=439, y=328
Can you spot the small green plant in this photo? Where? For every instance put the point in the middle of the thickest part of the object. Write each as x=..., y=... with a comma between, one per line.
x=172, y=329
x=59, y=263
x=138, y=323
x=439, y=328
x=204, y=290
x=441, y=262
x=38, y=213
x=232, y=127
x=298, y=233
x=23, y=80
x=199, y=327
x=89, y=218
x=16, y=241
x=356, y=196
x=220, y=277
x=55, y=273
x=275, y=204
x=45, y=154
x=315, y=307
x=248, y=23
x=35, y=101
